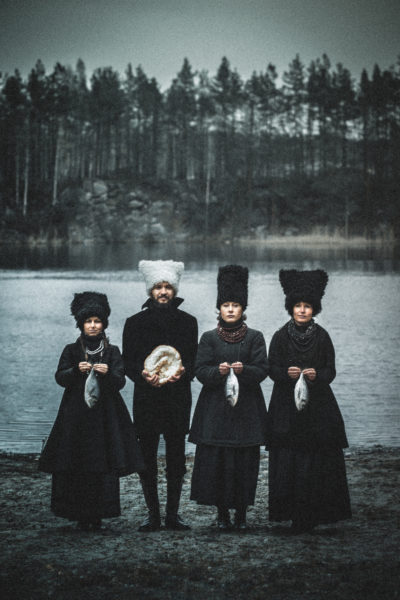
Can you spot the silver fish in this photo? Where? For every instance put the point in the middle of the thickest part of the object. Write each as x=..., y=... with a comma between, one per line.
x=301, y=393
x=92, y=389
x=232, y=388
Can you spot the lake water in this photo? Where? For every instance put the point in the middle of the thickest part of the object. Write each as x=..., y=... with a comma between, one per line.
x=360, y=311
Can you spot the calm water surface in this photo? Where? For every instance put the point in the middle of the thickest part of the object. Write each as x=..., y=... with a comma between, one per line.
x=360, y=311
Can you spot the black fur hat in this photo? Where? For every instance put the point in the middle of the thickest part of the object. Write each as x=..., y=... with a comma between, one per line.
x=90, y=304
x=303, y=286
x=232, y=285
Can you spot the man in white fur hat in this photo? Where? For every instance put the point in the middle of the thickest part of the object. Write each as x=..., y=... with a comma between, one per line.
x=161, y=409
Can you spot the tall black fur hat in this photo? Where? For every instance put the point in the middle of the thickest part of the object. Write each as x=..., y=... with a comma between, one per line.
x=303, y=286
x=90, y=304
x=232, y=285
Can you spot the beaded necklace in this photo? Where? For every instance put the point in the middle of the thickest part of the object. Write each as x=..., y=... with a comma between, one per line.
x=232, y=336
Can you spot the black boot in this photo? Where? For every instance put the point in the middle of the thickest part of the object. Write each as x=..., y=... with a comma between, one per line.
x=150, y=492
x=172, y=519
x=223, y=519
x=240, y=519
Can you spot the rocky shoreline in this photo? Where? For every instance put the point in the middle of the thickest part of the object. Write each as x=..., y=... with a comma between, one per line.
x=46, y=557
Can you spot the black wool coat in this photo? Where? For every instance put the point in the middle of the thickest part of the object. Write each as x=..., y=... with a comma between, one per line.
x=101, y=439
x=165, y=409
x=215, y=421
x=320, y=424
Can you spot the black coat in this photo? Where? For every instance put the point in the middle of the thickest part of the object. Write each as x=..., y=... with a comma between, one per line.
x=320, y=424
x=101, y=439
x=165, y=409
x=215, y=421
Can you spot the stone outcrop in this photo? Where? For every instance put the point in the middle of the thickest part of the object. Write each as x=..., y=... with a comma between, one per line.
x=117, y=212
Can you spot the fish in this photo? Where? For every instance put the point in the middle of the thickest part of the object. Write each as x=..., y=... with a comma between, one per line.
x=301, y=393
x=232, y=388
x=92, y=389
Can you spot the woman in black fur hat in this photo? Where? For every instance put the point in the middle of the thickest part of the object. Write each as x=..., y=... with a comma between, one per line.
x=229, y=434
x=307, y=475
x=93, y=441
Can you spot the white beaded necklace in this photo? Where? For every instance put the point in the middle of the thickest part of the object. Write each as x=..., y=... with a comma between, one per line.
x=99, y=349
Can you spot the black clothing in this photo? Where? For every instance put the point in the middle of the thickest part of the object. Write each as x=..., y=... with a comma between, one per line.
x=308, y=486
x=225, y=476
x=307, y=477
x=85, y=497
x=215, y=421
x=174, y=453
x=321, y=423
x=228, y=438
x=165, y=409
x=89, y=448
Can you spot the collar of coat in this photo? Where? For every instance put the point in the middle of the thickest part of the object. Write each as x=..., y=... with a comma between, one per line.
x=175, y=302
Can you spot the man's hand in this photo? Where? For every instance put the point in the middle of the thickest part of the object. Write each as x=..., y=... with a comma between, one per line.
x=177, y=376
x=237, y=367
x=151, y=379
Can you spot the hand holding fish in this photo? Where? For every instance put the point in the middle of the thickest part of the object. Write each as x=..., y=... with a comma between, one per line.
x=237, y=367
x=224, y=368
x=85, y=367
x=310, y=374
x=294, y=372
x=101, y=368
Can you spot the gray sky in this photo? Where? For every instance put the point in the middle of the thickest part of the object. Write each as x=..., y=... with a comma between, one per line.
x=158, y=34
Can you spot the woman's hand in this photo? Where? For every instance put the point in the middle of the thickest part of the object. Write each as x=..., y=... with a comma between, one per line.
x=151, y=379
x=310, y=374
x=177, y=376
x=85, y=367
x=294, y=372
x=101, y=368
x=237, y=367
x=224, y=368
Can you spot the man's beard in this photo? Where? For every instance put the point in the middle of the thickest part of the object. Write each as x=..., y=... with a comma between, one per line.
x=162, y=305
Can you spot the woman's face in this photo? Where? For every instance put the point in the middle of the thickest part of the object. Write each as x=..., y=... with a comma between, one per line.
x=302, y=313
x=92, y=326
x=231, y=311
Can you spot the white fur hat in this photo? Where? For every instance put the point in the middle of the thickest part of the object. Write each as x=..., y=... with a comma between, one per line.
x=156, y=271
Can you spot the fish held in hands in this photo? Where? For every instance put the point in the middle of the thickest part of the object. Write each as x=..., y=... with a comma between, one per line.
x=301, y=393
x=232, y=388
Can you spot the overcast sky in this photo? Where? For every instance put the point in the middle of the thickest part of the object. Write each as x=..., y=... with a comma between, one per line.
x=158, y=34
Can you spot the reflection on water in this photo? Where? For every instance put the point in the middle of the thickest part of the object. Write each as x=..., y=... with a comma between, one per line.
x=198, y=256
x=360, y=310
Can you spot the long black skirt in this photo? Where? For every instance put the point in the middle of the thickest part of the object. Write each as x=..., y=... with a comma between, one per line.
x=308, y=486
x=225, y=476
x=85, y=496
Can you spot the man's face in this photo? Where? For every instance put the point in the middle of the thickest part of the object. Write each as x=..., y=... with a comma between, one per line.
x=163, y=292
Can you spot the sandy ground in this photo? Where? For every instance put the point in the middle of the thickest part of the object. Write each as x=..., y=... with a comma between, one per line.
x=46, y=557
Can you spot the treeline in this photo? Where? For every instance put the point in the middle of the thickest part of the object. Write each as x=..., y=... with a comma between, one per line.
x=313, y=148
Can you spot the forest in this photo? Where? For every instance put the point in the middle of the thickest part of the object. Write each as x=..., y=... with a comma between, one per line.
x=312, y=150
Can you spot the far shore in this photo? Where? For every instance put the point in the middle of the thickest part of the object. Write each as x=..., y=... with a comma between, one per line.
x=279, y=241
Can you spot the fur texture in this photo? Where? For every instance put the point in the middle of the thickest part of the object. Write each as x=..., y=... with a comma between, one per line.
x=90, y=304
x=303, y=286
x=233, y=285
x=156, y=271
